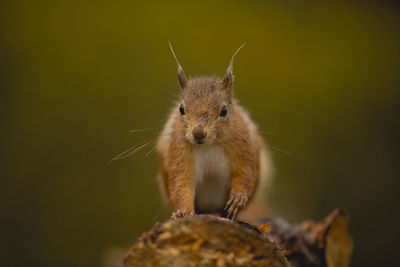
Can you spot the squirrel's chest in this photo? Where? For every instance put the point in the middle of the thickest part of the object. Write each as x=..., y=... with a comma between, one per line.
x=212, y=178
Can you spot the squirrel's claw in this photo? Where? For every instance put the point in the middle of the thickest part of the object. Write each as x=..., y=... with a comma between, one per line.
x=237, y=200
x=180, y=214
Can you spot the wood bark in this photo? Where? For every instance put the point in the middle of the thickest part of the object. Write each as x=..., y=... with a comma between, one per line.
x=206, y=240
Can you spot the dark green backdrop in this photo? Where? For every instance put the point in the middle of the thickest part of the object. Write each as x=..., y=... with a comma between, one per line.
x=321, y=80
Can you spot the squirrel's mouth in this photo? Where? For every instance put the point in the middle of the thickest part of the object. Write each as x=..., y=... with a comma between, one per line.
x=200, y=141
x=197, y=142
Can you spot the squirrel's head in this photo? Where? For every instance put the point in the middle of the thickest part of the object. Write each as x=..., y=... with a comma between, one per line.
x=205, y=105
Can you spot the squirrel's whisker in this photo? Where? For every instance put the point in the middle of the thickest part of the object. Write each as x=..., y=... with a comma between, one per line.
x=144, y=130
x=280, y=150
x=133, y=150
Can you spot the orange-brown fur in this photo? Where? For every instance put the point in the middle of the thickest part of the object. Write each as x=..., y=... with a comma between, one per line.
x=202, y=99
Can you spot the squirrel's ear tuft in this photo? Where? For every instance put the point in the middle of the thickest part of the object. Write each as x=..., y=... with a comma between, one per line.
x=228, y=78
x=181, y=74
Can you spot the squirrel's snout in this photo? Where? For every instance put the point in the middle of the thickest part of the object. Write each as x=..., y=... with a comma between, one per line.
x=199, y=134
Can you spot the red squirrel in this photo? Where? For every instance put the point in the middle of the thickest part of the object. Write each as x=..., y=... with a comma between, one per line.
x=211, y=157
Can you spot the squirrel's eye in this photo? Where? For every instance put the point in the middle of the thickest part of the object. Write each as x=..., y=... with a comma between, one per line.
x=182, y=110
x=224, y=110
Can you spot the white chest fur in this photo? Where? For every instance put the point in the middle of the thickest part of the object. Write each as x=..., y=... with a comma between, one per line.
x=212, y=177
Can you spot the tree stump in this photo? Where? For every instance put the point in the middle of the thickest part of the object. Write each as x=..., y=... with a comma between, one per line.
x=206, y=240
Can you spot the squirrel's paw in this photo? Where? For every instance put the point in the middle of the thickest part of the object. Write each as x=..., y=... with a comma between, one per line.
x=237, y=200
x=180, y=214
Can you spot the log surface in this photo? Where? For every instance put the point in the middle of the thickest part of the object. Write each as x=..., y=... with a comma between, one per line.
x=206, y=240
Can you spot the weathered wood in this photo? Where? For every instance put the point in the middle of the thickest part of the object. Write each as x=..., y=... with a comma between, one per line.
x=205, y=240
x=310, y=244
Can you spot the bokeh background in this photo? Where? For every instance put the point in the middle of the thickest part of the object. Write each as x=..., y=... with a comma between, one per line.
x=320, y=79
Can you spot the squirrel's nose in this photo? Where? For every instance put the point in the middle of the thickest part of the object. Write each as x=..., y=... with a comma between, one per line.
x=199, y=134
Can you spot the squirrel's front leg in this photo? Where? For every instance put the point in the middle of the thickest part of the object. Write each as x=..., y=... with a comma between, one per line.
x=242, y=189
x=181, y=194
x=180, y=175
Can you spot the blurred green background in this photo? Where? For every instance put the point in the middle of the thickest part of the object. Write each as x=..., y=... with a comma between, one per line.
x=320, y=79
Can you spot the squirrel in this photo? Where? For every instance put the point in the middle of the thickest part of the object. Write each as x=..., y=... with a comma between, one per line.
x=211, y=157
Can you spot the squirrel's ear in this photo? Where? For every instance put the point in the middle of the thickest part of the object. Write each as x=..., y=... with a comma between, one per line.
x=228, y=78
x=181, y=74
